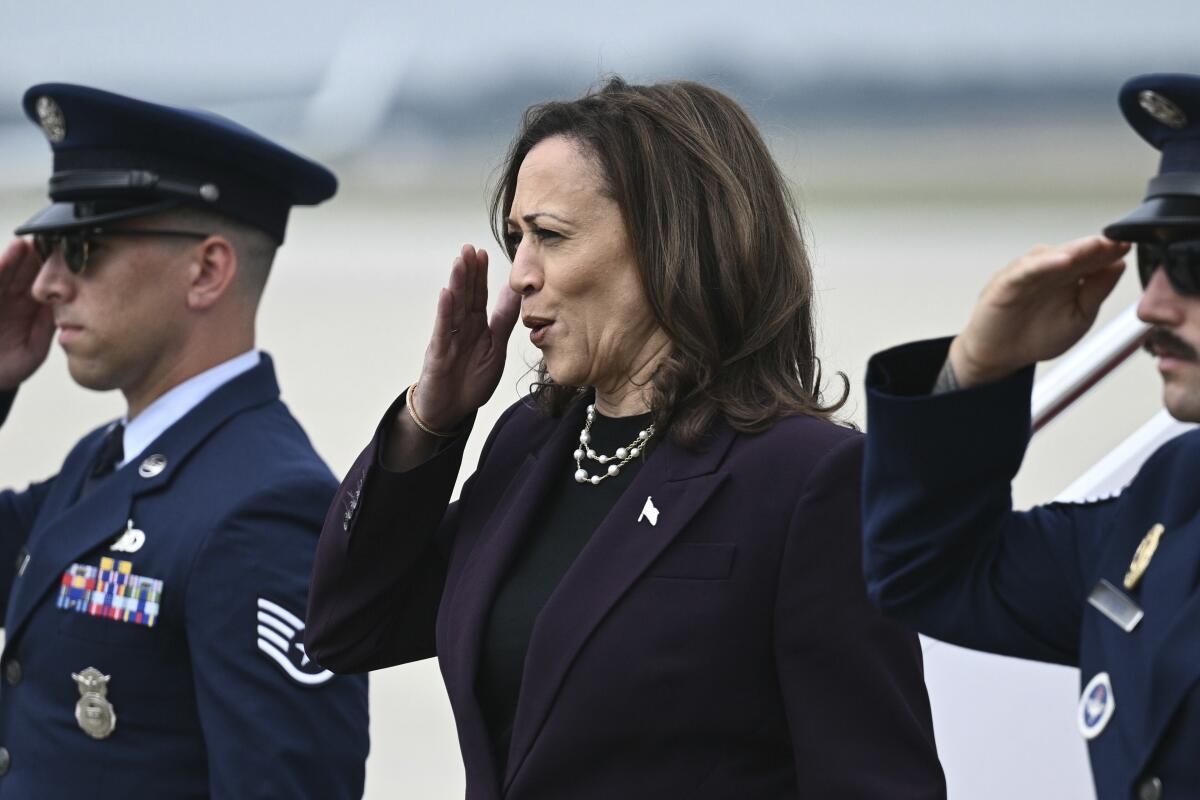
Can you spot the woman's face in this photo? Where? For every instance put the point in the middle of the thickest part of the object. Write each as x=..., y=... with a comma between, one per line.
x=575, y=270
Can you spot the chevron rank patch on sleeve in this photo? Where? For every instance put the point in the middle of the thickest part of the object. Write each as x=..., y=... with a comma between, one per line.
x=280, y=639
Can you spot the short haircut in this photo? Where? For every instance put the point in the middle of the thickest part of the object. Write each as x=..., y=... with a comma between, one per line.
x=255, y=248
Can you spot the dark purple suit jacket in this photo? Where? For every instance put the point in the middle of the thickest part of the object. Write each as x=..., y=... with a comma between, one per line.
x=728, y=651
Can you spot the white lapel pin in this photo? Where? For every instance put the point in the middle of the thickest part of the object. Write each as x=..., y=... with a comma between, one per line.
x=152, y=465
x=130, y=541
x=649, y=512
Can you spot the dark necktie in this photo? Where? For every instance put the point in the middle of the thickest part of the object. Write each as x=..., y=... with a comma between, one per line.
x=112, y=452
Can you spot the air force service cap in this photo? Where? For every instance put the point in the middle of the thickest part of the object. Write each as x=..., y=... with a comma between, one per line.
x=116, y=158
x=1165, y=110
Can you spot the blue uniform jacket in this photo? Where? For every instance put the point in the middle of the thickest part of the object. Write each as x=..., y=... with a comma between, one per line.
x=216, y=697
x=946, y=553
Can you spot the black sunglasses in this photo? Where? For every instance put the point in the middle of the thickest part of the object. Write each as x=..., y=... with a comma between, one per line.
x=77, y=244
x=1179, y=260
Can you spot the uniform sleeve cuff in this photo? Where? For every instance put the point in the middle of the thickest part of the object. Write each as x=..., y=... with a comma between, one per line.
x=951, y=428
x=909, y=370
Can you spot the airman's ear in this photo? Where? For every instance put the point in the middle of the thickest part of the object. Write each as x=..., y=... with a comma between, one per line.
x=212, y=272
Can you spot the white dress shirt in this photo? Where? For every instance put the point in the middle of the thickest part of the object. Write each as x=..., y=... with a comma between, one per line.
x=172, y=406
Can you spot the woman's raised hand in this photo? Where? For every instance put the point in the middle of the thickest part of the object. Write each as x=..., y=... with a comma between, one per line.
x=465, y=357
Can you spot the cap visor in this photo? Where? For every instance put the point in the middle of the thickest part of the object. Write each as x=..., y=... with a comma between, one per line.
x=63, y=216
x=1157, y=218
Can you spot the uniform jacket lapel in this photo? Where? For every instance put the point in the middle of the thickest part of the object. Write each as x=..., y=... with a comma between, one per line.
x=1174, y=670
x=70, y=528
x=1154, y=667
x=621, y=549
x=67, y=530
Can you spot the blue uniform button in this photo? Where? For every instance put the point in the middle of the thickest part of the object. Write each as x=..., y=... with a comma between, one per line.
x=1150, y=789
x=5, y=761
x=12, y=672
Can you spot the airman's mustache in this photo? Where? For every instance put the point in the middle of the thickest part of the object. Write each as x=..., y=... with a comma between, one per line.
x=1161, y=342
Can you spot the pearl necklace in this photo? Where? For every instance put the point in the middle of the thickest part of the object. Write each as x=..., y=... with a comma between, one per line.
x=623, y=455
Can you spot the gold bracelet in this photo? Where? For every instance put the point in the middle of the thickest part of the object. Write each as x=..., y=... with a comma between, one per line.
x=412, y=412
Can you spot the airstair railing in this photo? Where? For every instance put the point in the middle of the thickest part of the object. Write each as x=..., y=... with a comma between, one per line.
x=1087, y=364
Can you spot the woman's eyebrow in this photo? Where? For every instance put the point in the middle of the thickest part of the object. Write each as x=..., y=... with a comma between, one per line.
x=531, y=218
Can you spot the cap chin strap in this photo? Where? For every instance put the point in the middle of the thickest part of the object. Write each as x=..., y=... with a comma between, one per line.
x=78, y=184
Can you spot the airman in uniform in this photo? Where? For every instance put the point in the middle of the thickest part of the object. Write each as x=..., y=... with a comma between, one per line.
x=1108, y=586
x=154, y=589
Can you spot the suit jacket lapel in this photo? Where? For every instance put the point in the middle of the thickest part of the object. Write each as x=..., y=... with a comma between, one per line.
x=79, y=527
x=620, y=550
x=466, y=604
x=489, y=561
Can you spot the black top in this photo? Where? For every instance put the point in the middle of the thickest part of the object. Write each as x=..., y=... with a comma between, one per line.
x=573, y=512
x=6, y=401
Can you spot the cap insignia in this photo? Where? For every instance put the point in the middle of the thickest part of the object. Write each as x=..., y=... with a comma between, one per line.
x=1162, y=109
x=51, y=118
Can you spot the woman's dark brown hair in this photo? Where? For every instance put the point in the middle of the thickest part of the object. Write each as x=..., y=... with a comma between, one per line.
x=717, y=241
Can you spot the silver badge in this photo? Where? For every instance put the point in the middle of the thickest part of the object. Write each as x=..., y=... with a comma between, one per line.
x=93, y=712
x=153, y=465
x=130, y=541
x=51, y=118
x=1162, y=109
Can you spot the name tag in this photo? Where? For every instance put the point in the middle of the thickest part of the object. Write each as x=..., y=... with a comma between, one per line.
x=1116, y=605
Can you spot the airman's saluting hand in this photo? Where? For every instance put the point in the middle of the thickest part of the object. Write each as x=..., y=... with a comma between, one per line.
x=1036, y=308
x=26, y=326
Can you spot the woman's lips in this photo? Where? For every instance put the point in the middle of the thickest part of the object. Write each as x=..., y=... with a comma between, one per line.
x=538, y=334
x=538, y=326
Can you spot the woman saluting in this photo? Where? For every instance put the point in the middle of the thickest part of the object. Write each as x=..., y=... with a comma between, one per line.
x=651, y=586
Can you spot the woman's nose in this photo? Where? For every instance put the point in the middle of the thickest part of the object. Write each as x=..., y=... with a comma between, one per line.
x=526, y=275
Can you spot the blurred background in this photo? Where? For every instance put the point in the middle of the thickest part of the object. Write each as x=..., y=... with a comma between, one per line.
x=929, y=143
